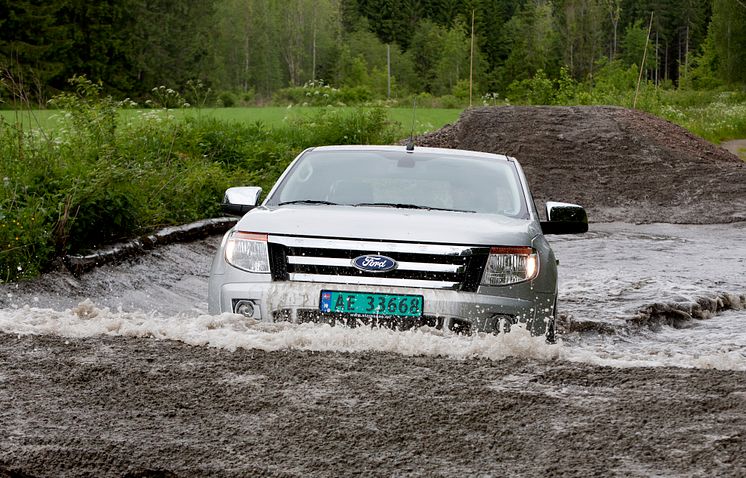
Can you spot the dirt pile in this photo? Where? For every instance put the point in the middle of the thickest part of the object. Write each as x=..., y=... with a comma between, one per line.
x=622, y=165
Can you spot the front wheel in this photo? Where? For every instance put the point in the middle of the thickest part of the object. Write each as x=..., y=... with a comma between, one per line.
x=550, y=333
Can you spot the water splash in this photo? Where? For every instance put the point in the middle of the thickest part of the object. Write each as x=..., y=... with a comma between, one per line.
x=231, y=331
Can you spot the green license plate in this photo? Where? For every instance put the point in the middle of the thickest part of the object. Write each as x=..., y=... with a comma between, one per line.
x=371, y=304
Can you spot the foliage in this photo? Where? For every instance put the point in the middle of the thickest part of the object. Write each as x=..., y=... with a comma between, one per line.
x=318, y=93
x=258, y=47
x=541, y=90
x=103, y=176
x=727, y=46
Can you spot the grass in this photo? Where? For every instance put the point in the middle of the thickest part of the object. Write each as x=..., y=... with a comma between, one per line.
x=426, y=119
x=102, y=174
x=720, y=117
x=94, y=172
x=714, y=116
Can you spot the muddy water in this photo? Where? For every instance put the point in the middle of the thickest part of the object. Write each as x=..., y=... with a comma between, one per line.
x=606, y=277
x=89, y=387
x=610, y=274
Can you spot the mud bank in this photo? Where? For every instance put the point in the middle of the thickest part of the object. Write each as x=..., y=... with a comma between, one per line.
x=131, y=407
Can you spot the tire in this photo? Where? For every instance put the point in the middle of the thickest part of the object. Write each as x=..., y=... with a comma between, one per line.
x=551, y=335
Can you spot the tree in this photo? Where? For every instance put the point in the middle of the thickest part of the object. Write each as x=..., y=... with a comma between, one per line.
x=633, y=46
x=454, y=60
x=532, y=41
x=99, y=33
x=426, y=49
x=728, y=35
x=615, y=12
x=581, y=29
x=32, y=45
x=171, y=42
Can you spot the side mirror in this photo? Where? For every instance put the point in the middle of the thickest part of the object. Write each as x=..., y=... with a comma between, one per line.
x=239, y=201
x=564, y=218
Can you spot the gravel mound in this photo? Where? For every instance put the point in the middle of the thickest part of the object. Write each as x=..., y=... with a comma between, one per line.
x=622, y=165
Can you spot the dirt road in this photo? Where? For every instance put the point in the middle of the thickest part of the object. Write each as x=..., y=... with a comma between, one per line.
x=132, y=407
x=737, y=147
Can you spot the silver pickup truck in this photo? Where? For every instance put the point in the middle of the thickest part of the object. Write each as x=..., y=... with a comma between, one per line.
x=393, y=236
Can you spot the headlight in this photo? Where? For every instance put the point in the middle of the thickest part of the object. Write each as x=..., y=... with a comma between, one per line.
x=247, y=251
x=510, y=265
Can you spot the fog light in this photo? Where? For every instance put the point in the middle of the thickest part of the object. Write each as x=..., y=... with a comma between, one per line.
x=245, y=308
x=503, y=322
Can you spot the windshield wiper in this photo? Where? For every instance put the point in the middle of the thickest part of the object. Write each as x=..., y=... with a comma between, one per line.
x=308, y=201
x=408, y=206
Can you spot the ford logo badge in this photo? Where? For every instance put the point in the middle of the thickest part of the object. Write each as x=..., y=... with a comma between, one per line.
x=371, y=263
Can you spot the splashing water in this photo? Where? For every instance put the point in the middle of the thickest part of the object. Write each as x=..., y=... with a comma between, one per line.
x=604, y=278
x=231, y=331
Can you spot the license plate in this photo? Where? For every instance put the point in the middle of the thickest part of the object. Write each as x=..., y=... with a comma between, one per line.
x=371, y=304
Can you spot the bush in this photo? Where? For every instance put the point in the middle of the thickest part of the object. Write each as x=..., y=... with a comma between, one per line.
x=538, y=90
x=318, y=93
x=248, y=97
x=332, y=126
x=96, y=180
x=227, y=99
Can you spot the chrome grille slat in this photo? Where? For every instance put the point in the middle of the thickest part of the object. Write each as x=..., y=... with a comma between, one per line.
x=404, y=266
x=371, y=247
x=427, y=266
x=368, y=280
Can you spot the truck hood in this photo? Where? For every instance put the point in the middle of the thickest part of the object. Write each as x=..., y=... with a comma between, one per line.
x=390, y=224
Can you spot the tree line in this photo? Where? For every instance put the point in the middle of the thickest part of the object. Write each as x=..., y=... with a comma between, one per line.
x=253, y=48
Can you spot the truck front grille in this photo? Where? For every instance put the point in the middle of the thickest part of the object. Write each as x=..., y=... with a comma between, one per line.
x=430, y=266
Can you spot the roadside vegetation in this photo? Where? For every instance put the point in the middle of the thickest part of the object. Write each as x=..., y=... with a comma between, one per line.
x=92, y=170
x=169, y=105
x=102, y=176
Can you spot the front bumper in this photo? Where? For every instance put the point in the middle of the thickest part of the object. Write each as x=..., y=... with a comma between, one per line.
x=484, y=311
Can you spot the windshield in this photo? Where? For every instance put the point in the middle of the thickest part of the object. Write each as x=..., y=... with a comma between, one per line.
x=420, y=180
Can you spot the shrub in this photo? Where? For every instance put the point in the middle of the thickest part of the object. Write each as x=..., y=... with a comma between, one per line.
x=227, y=99
x=96, y=180
x=538, y=90
x=318, y=93
x=248, y=97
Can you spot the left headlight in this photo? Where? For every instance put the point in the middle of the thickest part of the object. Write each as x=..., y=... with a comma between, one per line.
x=247, y=251
x=510, y=265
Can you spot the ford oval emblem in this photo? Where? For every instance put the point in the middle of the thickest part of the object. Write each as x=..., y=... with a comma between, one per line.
x=370, y=263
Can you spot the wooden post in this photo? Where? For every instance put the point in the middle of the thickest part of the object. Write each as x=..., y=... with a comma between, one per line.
x=642, y=65
x=388, y=70
x=471, y=58
x=657, y=63
x=313, y=68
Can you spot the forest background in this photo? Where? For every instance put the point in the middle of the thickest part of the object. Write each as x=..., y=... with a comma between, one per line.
x=246, y=51
x=118, y=117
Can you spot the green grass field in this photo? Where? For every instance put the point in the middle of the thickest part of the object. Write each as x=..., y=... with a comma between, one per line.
x=426, y=119
x=716, y=120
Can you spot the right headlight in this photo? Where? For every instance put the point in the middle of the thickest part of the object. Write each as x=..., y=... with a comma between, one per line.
x=510, y=265
x=247, y=251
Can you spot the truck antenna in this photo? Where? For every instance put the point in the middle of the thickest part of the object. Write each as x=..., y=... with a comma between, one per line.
x=410, y=142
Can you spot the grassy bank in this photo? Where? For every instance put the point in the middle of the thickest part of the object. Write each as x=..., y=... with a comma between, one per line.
x=94, y=170
x=101, y=176
x=714, y=116
x=426, y=119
